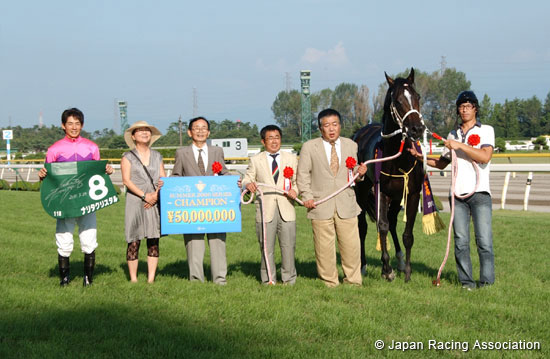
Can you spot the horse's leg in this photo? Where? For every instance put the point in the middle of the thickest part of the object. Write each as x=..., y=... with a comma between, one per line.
x=363, y=226
x=383, y=227
x=393, y=213
x=408, y=237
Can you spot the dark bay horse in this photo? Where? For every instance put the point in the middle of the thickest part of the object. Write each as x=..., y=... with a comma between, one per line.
x=400, y=180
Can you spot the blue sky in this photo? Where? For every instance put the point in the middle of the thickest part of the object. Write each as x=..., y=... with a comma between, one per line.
x=86, y=54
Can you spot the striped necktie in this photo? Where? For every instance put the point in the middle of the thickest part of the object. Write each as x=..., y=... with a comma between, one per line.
x=275, y=167
x=334, y=159
x=200, y=163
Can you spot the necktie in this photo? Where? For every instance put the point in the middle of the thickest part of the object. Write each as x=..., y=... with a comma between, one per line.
x=275, y=167
x=333, y=159
x=200, y=163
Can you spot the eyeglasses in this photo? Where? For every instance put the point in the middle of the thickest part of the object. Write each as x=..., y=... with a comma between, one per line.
x=466, y=106
x=199, y=129
x=276, y=138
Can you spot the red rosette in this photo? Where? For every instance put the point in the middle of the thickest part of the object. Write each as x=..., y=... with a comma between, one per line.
x=474, y=140
x=288, y=172
x=216, y=167
x=350, y=162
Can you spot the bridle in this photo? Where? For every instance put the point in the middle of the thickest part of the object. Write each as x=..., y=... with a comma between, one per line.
x=400, y=121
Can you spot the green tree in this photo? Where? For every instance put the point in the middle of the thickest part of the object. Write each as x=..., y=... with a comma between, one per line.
x=343, y=102
x=510, y=119
x=321, y=100
x=485, y=110
x=530, y=115
x=540, y=143
x=500, y=144
x=361, y=107
x=545, y=122
x=287, y=111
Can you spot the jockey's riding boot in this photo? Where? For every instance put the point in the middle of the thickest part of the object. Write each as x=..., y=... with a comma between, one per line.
x=63, y=270
x=89, y=263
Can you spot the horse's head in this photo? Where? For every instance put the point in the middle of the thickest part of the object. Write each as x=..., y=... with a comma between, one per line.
x=404, y=105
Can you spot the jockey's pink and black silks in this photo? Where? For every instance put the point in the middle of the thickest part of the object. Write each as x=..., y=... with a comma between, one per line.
x=71, y=150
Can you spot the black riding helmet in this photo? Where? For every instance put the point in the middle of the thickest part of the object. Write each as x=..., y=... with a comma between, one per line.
x=467, y=96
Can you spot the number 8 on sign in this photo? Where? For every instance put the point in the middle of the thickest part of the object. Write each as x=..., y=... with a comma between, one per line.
x=97, y=183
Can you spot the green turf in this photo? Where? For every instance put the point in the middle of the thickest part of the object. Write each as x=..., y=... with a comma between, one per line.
x=174, y=318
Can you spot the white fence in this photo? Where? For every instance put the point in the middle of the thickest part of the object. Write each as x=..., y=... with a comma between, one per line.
x=29, y=173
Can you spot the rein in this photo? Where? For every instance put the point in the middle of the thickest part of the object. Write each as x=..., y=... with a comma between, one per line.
x=350, y=182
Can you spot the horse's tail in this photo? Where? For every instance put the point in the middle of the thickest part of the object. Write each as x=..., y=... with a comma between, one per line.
x=367, y=139
x=364, y=195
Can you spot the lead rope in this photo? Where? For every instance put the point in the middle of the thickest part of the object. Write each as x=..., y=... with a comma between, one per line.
x=350, y=182
x=454, y=172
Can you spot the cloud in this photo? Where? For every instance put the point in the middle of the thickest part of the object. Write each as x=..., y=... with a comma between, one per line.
x=336, y=56
x=523, y=56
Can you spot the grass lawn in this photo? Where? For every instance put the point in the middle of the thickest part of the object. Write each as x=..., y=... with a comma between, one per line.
x=176, y=318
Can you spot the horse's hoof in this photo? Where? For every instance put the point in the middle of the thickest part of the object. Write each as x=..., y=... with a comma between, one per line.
x=400, y=261
x=364, y=270
x=389, y=276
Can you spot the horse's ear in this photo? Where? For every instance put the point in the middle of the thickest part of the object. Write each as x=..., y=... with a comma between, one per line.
x=389, y=79
x=410, y=79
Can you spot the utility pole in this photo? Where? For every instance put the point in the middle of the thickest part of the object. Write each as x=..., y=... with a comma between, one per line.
x=195, y=103
x=443, y=65
x=305, y=76
x=179, y=124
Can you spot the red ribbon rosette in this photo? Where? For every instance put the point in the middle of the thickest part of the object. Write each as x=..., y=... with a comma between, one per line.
x=474, y=140
x=350, y=164
x=288, y=172
x=216, y=168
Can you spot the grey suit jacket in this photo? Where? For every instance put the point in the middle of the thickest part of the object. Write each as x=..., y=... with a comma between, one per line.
x=259, y=171
x=187, y=166
x=316, y=180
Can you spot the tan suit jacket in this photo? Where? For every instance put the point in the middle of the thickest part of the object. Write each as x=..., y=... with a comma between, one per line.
x=259, y=172
x=316, y=180
x=186, y=165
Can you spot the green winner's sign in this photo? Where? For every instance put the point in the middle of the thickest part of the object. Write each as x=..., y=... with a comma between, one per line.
x=73, y=189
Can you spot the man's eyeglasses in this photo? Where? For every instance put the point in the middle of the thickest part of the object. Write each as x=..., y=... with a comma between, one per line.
x=466, y=106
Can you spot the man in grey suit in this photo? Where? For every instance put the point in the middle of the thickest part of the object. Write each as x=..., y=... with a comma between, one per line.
x=197, y=160
x=278, y=210
x=322, y=171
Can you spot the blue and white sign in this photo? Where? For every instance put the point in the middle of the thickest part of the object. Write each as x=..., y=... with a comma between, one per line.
x=7, y=134
x=200, y=204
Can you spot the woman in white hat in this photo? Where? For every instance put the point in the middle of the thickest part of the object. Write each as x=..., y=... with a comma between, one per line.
x=141, y=169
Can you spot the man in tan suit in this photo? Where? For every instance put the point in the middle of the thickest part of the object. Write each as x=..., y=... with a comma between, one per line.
x=268, y=167
x=322, y=171
x=197, y=160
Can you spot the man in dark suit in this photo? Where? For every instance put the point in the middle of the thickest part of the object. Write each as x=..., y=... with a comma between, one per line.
x=196, y=160
x=322, y=171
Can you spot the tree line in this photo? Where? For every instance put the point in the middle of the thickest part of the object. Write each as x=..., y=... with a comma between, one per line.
x=515, y=119
x=38, y=139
